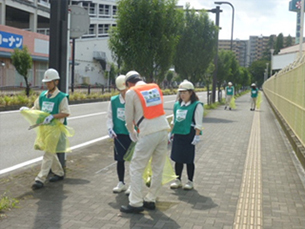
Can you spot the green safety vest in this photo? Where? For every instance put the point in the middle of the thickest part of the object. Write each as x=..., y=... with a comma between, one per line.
x=51, y=105
x=230, y=91
x=183, y=117
x=254, y=92
x=118, y=115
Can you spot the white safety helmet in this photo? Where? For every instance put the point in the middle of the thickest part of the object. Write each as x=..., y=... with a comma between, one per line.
x=120, y=82
x=185, y=85
x=253, y=85
x=230, y=84
x=131, y=75
x=50, y=75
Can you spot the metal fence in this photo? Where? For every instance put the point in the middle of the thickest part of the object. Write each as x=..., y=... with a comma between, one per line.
x=286, y=91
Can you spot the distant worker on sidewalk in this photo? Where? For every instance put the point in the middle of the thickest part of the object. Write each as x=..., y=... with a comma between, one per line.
x=229, y=93
x=254, y=94
x=144, y=108
x=187, y=125
x=118, y=131
x=56, y=104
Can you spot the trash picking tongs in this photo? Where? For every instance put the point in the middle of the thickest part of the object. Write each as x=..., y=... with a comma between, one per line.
x=35, y=125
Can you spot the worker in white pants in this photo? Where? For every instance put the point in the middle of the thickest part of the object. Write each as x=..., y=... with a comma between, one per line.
x=144, y=108
x=50, y=160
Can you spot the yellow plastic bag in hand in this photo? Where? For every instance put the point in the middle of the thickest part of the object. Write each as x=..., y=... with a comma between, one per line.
x=53, y=137
x=129, y=152
x=259, y=100
x=232, y=103
x=167, y=175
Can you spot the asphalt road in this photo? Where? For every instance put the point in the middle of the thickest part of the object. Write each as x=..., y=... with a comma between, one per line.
x=88, y=120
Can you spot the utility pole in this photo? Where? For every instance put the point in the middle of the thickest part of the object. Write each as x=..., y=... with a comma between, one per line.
x=58, y=47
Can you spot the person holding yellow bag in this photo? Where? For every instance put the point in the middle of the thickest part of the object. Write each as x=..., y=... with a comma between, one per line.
x=55, y=103
x=117, y=131
x=144, y=108
x=187, y=126
x=254, y=94
x=229, y=94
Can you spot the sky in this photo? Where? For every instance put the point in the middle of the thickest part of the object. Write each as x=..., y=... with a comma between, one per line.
x=251, y=17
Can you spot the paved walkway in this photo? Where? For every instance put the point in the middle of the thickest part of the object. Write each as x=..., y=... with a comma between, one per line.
x=245, y=177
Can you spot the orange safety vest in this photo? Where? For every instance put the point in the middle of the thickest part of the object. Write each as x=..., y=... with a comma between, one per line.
x=151, y=98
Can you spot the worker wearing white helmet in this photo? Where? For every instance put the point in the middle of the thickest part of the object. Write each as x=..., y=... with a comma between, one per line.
x=229, y=93
x=117, y=131
x=144, y=108
x=56, y=104
x=187, y=126
x=254, y=94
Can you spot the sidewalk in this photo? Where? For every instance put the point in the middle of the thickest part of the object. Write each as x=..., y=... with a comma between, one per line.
x=244, y=176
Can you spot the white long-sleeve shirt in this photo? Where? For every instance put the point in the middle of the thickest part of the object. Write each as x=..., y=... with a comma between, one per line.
x=109, y=122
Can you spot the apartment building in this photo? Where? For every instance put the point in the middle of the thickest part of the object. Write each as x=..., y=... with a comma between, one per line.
x=248, y=51
x=32, y=17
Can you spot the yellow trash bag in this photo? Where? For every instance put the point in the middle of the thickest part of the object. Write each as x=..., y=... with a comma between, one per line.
x=167, y=175
x=53, y=137
x=232, y=103
x=259, y=100
x=129, y=152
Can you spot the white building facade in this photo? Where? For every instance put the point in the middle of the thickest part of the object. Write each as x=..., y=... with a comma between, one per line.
x=92, y=55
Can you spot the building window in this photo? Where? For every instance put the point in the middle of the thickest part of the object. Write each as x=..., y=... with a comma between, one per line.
x=90, y=7
x=91, y=32
x=44, y=2
x=103, y=30
x=104, y=11
x=114, y=10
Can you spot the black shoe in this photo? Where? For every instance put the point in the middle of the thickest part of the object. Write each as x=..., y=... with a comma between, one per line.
x=37, y=185
x=149, y=205
x=229, y=108
x=56, y=178
x=225, y=108
x=251, y=109
x=131, y=209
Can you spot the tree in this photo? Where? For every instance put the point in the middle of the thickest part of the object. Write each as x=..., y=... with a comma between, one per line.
x=145, y=36
x=244, y=78
x=257, y=70
x=228, y=67
x=207, y=77
x=279, y=43
x=22, y=61
x=288, y=41
x=196, y=47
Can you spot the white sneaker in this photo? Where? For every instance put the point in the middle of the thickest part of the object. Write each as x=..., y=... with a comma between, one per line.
x=176, y=184
x=119, y=188
x=188, y=186
x=127, y=192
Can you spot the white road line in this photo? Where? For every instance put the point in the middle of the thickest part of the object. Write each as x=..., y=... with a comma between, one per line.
x=86, y=116
x=23, y=164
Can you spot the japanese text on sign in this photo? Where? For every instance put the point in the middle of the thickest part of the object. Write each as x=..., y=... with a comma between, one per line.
x=10, y=40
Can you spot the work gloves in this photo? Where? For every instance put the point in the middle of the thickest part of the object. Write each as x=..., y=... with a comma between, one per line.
x=170, y=137
x=196, y=140
x=111, y=133
x=48, y=119
x=23, y=108
x=133, y=136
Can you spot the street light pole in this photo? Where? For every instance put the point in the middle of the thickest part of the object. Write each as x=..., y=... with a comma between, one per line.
x=217, y=12
x=232, y=26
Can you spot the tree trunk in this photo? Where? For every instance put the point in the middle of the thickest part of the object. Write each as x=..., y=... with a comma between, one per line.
x=27, y=89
